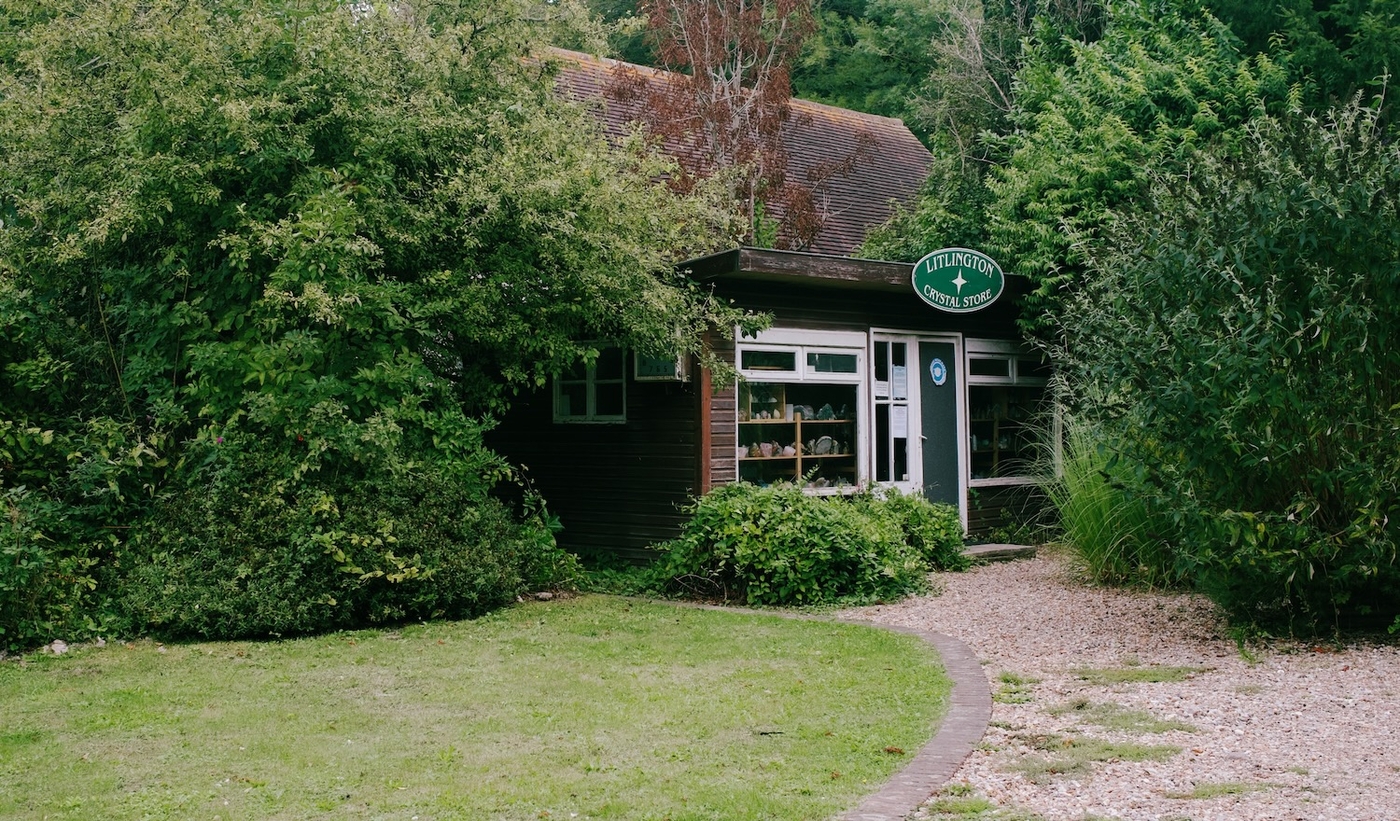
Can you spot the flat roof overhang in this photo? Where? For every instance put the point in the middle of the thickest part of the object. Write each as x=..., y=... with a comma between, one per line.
x=800, y=269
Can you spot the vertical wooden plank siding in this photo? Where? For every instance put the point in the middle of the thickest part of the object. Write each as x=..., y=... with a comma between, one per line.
x=705, y=391
x=989, y=508
x=723, y=427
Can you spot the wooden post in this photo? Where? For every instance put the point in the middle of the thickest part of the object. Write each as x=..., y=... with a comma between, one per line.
x=705, y=393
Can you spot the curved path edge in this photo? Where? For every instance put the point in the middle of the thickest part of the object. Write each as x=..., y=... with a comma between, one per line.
x=959, y=731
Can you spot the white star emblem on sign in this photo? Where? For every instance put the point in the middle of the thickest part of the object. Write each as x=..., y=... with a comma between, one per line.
x=959, y=281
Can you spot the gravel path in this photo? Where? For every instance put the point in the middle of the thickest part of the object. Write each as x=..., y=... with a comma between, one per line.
x=1299, y=731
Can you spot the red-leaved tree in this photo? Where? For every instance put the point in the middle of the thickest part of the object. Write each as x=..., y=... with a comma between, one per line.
x=726, y=101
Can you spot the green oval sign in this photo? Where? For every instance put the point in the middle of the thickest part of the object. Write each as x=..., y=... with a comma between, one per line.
x=958, y=280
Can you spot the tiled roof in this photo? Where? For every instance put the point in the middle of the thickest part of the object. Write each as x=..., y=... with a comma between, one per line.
x=891, y=164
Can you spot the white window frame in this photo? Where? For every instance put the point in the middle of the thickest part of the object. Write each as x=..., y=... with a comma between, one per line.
x=801, y=342
x=591, y=381
x=1015, y=353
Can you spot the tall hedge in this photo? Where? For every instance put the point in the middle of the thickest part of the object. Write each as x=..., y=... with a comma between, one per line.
x=1241, y=343
x=339, y=235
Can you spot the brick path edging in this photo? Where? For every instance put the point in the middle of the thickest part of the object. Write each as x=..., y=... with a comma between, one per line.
x=969, y=710
x=962, y=727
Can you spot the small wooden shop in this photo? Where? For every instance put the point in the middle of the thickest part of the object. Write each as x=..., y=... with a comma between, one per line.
x=858, y=381
x=861, y=380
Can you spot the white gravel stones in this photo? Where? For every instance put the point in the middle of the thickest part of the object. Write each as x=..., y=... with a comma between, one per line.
x=1303, y=731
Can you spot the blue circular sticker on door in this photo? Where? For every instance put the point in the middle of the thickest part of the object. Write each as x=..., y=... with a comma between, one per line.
x=938, y=371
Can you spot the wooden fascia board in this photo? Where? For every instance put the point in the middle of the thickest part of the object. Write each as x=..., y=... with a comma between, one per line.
x=799, y=268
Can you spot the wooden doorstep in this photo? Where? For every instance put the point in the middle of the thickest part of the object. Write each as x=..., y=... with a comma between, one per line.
x=999, y=552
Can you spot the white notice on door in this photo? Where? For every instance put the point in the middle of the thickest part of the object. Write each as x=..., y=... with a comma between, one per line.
x=900, y=377
x=899, y=421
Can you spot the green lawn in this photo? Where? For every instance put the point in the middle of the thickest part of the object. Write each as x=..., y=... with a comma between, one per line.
x=595, y=707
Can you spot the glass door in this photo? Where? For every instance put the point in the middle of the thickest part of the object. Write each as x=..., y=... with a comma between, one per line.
x=892, y=368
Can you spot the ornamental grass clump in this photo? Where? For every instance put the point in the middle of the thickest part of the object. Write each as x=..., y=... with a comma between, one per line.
x=1102, y=518
x=777, y=545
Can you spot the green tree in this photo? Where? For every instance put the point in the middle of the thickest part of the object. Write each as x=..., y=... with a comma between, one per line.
x=1093, y=120
x=625, y=30
x=869, y=55
x=1336, y=49
x=1239, y=341
x=949, y=212
x=314, y=240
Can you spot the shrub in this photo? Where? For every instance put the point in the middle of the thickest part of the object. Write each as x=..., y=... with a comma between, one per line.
x=243, y=550
x=1246, y=332
x=935, y=531
x=278, y=243
x=1103, y=517
x=45, y=584
x=779, y=545
x=61, y=495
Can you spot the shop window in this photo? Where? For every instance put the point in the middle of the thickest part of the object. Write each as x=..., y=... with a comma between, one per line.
x=1007, y=411
x=800, y=425
x=818, y=362
x=593, y=393
x=800, y=432
x=989, y=366
x=762, y=359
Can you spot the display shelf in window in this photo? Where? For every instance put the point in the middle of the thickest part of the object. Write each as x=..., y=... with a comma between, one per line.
x=1002, y=431
x=803, y=433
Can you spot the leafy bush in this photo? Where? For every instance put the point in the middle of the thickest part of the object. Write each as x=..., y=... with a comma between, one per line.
x=45, y=586
x=1246, y=340
x=935, y=531
x=240, y=550
x=779, y=545
x=216, y=220
x=60, y=494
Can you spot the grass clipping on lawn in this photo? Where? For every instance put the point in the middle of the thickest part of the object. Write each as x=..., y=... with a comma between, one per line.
x=596, y=706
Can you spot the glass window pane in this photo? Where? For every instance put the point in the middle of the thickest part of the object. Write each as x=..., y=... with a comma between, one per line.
x=576, y=372
x=608, y=399
x=832, y=362
x=1032, y=369
x=982, y=366
x=768, y=360
x=609, y=363
x=573, y=399
x=882, y=447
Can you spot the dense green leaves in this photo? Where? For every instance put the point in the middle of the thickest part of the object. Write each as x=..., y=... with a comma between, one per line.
x=871, y=55
x=346, y=232
x=1337, y=49
x=778, y=545
x=1093, y=121
x=1238, y=340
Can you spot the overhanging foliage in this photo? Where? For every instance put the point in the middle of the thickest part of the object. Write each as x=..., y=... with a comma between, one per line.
x=339, y=235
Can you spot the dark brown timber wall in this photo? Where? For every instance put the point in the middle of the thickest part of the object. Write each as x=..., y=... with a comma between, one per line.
x=616, y=488
x=1004, y=506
